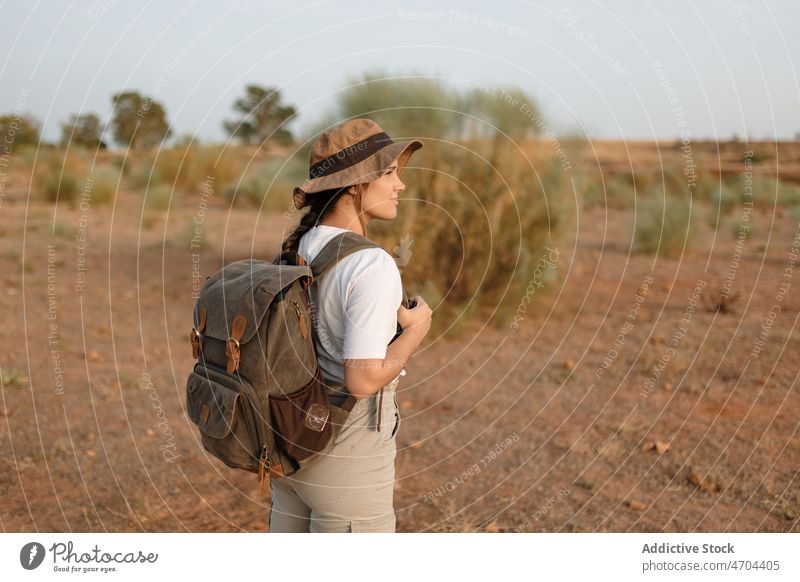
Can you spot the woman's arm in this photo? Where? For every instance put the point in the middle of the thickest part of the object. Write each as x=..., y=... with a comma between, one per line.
x=364, y=378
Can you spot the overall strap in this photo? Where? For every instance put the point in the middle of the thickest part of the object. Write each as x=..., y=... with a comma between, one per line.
x=335, y=250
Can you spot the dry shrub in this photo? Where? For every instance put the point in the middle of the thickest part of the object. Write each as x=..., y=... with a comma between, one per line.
x=664, y=224
x=173, y=166
x=105, y=183
x=476, y=230
x=143, y=172
x=59, y=174
x=157, y=197
x=219, y=165
x=268, y=184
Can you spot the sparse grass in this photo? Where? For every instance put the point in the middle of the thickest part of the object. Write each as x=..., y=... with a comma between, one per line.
x=212, y=165
x=723, y=199
x=762, y=189
x=664, y=225
x=58, y=175
x=63, y=230
x=742, y=229
x=188, y=169
x=157, y=197
x=143, y=174
x=61, y=188
x=105, y=183
x=13, y=255
x=789, y=194
x=268, y=185
x=172, y=166
x=614, y=192
x=189, y=239
x=11, y=378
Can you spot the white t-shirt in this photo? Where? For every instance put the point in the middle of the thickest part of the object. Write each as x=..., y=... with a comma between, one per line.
x=354, y=305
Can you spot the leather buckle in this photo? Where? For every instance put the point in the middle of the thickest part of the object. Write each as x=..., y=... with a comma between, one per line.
x=233, y=353
x=194, y=337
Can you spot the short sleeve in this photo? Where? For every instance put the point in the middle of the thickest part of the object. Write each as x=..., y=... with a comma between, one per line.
x=371, y=310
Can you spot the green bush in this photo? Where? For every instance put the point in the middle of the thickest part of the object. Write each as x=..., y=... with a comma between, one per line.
x=269, y=184
x=61, y=188
x=663, y=225
x=144, y=174
x=105, y=183
x=742, y=229
x=477, y=233
x=158, y=197
x=57, y=175
x=789, y=194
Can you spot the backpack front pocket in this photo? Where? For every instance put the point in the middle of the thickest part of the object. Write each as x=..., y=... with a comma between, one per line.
x=303, y=420
x=225, y=417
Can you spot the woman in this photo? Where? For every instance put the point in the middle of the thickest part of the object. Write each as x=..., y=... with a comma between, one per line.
x=353, y=178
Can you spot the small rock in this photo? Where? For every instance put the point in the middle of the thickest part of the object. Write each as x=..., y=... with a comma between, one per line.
x=659, y=446
x=569, y=364
x=91, y=454
x=406, y=405
x=492, y=527
x=94, y=356
x=415, y=445
x=704, y=483
x=635, y=504
x=151, y=432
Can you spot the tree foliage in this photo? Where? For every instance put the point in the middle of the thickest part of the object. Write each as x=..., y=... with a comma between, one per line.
x=83, y=130
x=138, y=122
x=18, y=130
x=263, y=117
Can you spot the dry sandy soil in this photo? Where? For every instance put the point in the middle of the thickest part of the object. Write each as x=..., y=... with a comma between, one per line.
x=503, y=430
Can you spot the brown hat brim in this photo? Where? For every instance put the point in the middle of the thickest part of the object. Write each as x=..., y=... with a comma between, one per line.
x=367, y=170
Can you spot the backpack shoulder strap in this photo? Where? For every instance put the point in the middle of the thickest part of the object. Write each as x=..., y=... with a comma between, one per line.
x=337, y=248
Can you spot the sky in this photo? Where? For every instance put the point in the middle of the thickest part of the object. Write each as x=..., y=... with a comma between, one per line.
x=623, y=69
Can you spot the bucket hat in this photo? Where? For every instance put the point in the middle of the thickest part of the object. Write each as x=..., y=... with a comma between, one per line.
x=352, y=152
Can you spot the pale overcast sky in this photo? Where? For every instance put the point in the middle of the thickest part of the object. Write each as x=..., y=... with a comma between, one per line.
x=611, y=69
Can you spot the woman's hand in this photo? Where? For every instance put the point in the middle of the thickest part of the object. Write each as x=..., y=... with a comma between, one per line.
x=417, y=318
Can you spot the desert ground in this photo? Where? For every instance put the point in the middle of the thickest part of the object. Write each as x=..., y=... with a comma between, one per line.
x=623, y=400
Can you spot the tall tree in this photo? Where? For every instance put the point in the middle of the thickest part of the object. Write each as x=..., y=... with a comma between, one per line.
x=138, y=122
x=263, y=117
x=83, y=130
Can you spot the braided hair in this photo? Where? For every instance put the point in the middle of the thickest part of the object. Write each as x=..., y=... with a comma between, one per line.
x=322, y=204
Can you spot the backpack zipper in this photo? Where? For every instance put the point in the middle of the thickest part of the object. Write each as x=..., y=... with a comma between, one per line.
x=301, y=319
x=263, y=469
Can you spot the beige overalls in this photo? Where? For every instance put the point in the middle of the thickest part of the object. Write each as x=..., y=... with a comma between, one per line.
x=351, y=489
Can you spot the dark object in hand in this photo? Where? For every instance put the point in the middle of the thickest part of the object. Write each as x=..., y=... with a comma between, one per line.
x=411, y=304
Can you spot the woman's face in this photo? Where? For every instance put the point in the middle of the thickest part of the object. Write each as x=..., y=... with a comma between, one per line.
x=382, y=196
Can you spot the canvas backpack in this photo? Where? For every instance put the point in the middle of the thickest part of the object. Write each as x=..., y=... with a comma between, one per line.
x=256, y=392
